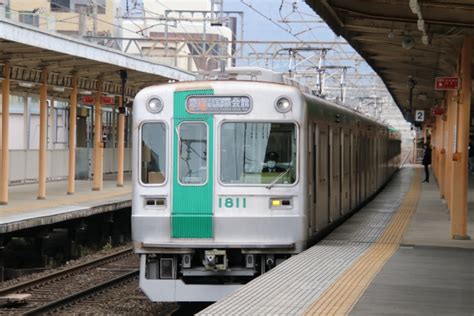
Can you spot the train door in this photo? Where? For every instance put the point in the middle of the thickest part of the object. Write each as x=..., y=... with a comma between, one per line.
x=353, y=146
x=322, y=199
x=356, y=164
x=314, y=175
x=373, y=165
x=376, y=163
x=367, y=164
x=346, y=171
x=370, y=170
x=363, y=171
x=311, y=178
x=378, y=167
x=193, y=152
x=335, y=186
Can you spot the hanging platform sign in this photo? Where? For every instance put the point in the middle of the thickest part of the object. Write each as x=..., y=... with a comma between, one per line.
x=419, y=116
x=107, y=100
x=436, y=111
x=90, y=100
x=446, y=83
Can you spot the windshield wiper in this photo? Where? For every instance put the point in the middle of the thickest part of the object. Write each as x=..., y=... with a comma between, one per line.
x=277, y=178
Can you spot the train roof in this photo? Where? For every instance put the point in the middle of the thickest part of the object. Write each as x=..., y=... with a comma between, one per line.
x=264, y=75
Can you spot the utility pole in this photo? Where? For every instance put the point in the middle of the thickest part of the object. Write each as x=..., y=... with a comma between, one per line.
x=82, y=21
x=94, y=17
x=217, y=12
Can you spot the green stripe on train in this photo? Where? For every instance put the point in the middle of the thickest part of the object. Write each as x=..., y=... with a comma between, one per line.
x=192, y=205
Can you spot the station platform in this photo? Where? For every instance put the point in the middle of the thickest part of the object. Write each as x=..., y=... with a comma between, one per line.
x=393, y=257
x=25, y=211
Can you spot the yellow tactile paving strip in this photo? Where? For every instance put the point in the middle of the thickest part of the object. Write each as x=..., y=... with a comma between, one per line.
x=340, y=298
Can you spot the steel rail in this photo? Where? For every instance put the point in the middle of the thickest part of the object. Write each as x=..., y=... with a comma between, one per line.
x=84, y=293
x=63, y=273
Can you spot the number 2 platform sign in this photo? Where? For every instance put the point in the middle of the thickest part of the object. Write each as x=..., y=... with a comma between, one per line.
x=420, y=116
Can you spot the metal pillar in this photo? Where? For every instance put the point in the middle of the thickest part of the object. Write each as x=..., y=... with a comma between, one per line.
x=43, y=135
x=121, y=130
x=121, y=142
x=72, y=138
x=98, y=145
x=460, y=159
x=5, y=124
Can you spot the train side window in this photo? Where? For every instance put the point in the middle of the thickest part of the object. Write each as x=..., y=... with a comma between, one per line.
x=153, y=156
x=192, y=167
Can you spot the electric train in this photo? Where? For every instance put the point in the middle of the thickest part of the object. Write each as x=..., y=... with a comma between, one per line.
x=233, y=176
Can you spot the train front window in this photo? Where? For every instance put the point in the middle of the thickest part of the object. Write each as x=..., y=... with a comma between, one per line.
x=258, y=153
x=153, y=162
x=192, y=153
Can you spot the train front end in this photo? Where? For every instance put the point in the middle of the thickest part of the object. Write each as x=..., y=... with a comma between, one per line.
x=218, y=185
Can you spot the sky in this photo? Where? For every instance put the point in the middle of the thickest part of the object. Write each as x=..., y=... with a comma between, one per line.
x=259, y=27
x=263, y=22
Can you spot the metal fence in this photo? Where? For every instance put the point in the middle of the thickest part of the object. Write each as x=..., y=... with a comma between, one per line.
x=24, y=164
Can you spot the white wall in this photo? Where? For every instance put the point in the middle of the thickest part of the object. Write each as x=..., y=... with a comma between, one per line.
x=16, y=136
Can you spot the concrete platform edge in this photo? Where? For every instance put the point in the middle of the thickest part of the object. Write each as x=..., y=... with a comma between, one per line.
x=59, y=217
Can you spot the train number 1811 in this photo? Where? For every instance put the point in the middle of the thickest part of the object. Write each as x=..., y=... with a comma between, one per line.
x=235, y=202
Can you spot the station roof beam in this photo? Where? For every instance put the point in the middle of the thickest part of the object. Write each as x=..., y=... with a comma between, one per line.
x=29, y=50
x=403, y=39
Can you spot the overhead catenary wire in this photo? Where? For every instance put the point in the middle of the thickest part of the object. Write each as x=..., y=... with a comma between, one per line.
x=270, y=20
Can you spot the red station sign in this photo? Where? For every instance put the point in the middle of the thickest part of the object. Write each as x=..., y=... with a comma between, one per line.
x=107, y=100
x=436, y=111
x=90, y=100
x=446, y=83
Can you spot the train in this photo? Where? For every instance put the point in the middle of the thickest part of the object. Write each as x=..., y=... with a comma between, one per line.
x=236, y=173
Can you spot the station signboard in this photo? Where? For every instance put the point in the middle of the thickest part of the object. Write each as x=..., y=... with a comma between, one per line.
x=87, y=100
x=419, y=116
x=437, y=111
x=90, y=100
x=107, y=100
x=446, y=83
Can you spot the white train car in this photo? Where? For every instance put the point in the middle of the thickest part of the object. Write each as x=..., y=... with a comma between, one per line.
x=231, y=177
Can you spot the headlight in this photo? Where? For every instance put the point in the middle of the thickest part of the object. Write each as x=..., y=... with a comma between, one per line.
x=155, y=105
x=283, y=105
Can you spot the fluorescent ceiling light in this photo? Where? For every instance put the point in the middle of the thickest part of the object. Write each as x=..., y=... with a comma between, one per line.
x=26, y=84
x=58, y=89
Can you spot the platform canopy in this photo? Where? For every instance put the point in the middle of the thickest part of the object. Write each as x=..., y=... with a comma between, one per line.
x=29, y=50
x=408, y=43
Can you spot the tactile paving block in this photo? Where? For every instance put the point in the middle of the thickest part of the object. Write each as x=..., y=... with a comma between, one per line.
x=293, y=286
x=362, y=227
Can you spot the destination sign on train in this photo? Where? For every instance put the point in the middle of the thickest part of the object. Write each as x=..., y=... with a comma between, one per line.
x=218, y=104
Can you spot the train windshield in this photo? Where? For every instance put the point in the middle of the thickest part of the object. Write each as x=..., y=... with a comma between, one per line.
x=258, y=153
x=192, y=153
x=153, y=166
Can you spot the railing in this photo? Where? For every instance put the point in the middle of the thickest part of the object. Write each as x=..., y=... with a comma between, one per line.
x=24, y=166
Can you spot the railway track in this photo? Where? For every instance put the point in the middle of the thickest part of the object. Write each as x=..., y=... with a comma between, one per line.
x=58, y=289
